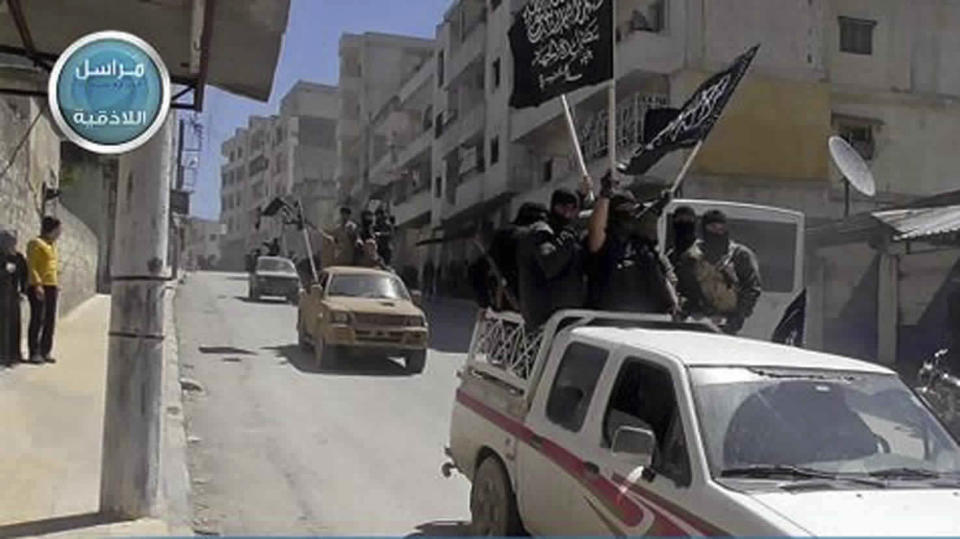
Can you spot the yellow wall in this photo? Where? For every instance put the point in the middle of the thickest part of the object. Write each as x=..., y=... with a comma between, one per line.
x=771, y=129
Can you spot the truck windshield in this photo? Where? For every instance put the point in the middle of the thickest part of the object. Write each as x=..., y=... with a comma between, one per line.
x=276, y=264
x=818, y=421
x=368, y=286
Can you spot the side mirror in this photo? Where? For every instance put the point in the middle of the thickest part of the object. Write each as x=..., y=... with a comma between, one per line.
x=635, y=442
x=417, y=297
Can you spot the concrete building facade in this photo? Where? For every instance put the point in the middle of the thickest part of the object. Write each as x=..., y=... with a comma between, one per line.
x=32, y=146
x=374, y=69
x=290, y=154
x=202, y=244
x=877, y=72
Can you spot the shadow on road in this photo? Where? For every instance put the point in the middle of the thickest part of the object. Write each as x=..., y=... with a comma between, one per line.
x=451, y=323
x=56, y=525
x=442, y=528
x=263, y=301
x=224, y=350
x=349, y=364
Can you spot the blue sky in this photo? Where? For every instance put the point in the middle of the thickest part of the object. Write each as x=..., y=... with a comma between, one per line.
x=309, y=52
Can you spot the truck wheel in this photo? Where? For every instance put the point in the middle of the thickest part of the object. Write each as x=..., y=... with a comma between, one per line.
x=493, y=506
x=326, y=356
x=416, y=361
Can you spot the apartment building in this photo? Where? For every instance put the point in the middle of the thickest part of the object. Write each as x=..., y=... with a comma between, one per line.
x=373, y=70
x=292, y=154
x=202, y=243
x=874, y=71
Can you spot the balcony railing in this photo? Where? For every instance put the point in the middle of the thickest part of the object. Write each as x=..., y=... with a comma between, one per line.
x=413, y=207
x=468, y=51
x=463, y=128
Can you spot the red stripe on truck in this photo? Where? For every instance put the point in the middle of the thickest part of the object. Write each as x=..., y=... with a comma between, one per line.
x=627, y=510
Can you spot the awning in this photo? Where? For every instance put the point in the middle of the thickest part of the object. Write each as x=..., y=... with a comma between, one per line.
x=917, y=223
x=231, y=44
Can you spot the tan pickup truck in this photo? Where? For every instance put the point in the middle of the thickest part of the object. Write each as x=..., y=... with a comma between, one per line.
x=362, y=309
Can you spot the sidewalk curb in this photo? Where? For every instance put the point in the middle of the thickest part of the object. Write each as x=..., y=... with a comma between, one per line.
x=175, y=477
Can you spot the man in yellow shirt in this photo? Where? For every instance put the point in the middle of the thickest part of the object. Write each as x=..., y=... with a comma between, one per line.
x=44, y=289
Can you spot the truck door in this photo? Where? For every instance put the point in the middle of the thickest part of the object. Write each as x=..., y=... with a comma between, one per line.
x=624, y=498
x=549, y=469
x=776, y=236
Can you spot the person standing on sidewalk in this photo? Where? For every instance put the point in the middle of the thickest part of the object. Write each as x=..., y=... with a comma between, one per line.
x=13, y=284
x=44, y=289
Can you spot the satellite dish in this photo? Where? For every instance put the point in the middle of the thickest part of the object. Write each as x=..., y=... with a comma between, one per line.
x=853, y=167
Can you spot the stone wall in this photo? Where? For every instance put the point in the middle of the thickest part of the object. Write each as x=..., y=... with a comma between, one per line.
x=35, y=162
x=78, y=248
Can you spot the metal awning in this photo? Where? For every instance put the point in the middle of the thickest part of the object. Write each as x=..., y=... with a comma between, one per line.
x=915, y=223
x=231, y=44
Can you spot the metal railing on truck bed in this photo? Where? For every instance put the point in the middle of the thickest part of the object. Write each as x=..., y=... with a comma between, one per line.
x=505, y=350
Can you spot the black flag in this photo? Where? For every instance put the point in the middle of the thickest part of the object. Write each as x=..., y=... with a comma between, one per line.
x=559, y=46
x=790, y=329
x=691, y=123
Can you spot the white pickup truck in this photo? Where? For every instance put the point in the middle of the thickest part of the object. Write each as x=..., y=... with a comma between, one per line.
x=633, y=425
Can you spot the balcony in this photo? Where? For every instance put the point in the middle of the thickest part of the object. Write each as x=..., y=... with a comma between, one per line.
x=468, y=51
x=381, y=172
x=463, y=127
x=421, y=77
x=413, y=208
x=420, y=145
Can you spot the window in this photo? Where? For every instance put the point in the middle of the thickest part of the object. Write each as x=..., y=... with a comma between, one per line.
x=367, y=286
x=440, y=69
x=856, y=35
x=569, y=399
x=643, y=396
x=438, y=126
x=438, y=188
x=859, y=133
x=494, y=150
x=774, y=243
x=496, y=73
x=548, y=171
x=213, y=237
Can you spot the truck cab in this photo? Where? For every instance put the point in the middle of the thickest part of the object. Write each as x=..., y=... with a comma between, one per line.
x=630, y=425
x=776, y=237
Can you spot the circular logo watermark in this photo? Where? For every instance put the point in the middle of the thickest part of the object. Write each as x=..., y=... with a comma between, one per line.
x=109, y=92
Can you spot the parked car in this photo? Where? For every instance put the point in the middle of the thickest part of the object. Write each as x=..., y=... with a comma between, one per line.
x=274, y=276
x=630, y=425
x=362, y=309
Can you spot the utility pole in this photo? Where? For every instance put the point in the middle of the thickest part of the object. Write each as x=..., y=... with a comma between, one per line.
x=129, y=483
x=178, y=235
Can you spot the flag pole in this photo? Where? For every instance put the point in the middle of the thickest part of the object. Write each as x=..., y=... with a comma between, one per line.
x=573, y=135
x=612, y=117
x=306, y=241
x=612, y=95
x=686, y=167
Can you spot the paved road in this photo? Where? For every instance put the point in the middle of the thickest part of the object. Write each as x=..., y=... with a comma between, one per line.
x=277, y=447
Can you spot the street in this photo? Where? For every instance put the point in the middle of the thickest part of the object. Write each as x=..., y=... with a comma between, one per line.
x=278, y=447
